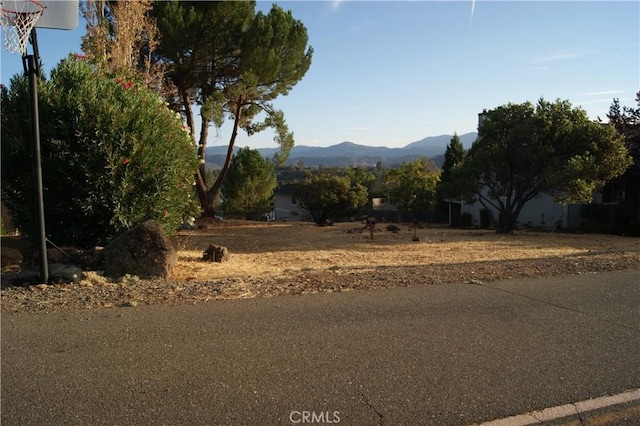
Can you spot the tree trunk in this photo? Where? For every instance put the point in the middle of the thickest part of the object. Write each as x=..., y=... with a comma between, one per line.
x=200, y=176
x=202, y=146
x=217, y=186
x=509, y=221
x=186, y=103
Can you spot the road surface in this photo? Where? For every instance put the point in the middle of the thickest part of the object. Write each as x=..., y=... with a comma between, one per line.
x=443, y=355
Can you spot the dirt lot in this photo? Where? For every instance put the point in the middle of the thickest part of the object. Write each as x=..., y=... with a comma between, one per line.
x=268, y=259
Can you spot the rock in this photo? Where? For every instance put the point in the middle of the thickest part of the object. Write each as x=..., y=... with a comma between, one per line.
x=10, y=256
x=393, y=228
x=216, y=254
x=144, y=250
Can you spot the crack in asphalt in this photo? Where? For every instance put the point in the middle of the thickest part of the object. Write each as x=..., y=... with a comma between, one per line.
x=373, y=407
x=566, y=308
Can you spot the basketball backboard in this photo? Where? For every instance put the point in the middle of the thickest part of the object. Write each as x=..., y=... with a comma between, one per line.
x=57, y=14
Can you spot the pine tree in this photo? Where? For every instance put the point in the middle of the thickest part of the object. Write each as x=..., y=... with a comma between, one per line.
x=453, y=156
x=232, y=62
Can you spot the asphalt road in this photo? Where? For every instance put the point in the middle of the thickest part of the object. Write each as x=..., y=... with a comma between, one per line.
x=442, y=355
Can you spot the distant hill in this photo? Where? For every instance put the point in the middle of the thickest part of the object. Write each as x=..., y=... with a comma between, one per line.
x=350, y=154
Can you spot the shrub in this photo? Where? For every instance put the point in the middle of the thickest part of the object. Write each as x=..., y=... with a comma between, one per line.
x=618, y=218
x=113, y=155
x=248, y=188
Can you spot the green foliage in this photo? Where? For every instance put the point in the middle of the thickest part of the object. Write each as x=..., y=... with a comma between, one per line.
x=523, y=150
x=362, y=176
x=412, y=186
x=326, y=197
x=248, y=189
x=113, y=156
x=453, y=158
x=626, y=121
x=234, y=61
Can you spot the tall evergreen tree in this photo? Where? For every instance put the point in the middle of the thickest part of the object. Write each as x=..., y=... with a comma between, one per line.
x=453, y=159
x=453, y=156
x=231, y=62
x=626, y=121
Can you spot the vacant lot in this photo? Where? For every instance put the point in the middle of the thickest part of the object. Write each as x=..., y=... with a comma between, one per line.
x=282, y=248
x=268, y=259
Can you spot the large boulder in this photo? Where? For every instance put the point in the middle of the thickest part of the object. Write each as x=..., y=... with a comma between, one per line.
x=144, y=250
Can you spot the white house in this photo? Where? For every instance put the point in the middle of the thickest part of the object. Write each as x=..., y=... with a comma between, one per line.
x=286, y=207
x=543, y=212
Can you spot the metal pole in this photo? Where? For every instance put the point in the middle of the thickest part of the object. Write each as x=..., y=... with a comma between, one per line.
x=37, y=166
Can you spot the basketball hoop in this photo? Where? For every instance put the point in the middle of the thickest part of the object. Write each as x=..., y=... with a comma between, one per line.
x=17, y=18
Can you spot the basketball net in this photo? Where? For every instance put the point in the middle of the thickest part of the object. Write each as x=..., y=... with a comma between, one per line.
x=17, y=19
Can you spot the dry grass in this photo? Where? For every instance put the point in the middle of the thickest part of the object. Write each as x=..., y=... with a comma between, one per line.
x=272, y=259
x=275, y=249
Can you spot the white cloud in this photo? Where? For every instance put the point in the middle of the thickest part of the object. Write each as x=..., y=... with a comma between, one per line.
x=597, y=101
x=604, y=92
x=600, y=101
x=563, y=56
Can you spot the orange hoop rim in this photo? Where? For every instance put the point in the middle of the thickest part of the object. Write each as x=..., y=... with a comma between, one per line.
x=39, y=8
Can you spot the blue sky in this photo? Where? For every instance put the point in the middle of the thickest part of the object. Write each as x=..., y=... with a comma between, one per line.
x=388, y=73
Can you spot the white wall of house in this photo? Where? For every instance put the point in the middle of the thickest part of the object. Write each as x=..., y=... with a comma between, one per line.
x=287, y=209
x=542, y=212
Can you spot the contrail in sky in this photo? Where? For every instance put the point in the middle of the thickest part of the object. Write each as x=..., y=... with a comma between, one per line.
x=473, y=8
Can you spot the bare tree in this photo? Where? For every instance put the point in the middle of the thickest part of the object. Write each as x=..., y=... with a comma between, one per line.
x=121, y=36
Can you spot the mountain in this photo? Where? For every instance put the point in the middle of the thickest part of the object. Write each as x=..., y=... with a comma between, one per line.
x=350, y=154
x=442, y=141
